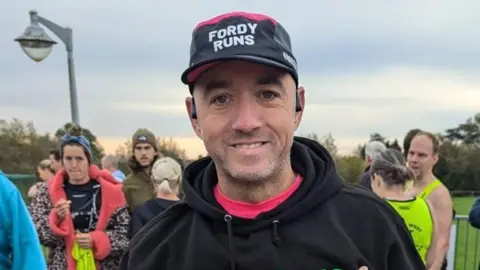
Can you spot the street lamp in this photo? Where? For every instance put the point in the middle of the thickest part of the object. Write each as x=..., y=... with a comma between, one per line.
x=37, y=45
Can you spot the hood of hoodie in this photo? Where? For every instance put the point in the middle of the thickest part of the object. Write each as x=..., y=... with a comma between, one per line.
x=308, y=159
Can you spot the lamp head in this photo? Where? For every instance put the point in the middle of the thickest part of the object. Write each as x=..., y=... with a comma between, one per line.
x=34, y=41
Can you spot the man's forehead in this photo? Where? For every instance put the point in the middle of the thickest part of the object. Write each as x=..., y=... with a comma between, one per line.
x=222, y=78
x=240, y=68
x=421, y=143
x=142, y=145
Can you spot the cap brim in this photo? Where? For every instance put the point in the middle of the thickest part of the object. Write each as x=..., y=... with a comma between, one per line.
x=191, y=74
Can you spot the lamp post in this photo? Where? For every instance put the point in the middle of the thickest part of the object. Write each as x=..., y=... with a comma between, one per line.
x=37, y=45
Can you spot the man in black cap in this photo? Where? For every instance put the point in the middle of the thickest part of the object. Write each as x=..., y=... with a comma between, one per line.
x=263, y=199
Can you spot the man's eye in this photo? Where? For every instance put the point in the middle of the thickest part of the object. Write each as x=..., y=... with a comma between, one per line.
x=269, y=95
x=220, y=100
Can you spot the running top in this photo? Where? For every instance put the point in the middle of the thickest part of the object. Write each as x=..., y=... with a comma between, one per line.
x=418, y=218
x=429, y=189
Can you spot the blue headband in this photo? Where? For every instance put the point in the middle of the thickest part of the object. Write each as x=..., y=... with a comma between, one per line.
x=82, y=140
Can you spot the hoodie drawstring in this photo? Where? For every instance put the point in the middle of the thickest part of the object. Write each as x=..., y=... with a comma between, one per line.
x=228, y=219
x=275, y=236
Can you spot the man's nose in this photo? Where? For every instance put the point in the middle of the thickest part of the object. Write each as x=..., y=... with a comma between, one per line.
x=246, y=116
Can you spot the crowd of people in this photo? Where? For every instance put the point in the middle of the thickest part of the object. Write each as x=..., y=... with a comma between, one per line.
x=406, y=181
x=261, y=199
x=84, y=216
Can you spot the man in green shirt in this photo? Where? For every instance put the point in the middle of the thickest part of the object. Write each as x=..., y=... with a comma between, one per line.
x=138, y=186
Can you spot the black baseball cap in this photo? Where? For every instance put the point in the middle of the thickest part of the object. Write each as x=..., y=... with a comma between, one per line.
x=243, y=36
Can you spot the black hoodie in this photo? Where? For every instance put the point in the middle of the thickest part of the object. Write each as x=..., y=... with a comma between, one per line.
x=323, y=225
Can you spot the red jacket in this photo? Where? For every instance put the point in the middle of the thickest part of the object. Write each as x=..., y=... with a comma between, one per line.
x=112, y=199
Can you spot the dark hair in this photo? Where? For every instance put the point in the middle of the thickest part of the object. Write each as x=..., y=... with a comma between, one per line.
x=433, y=138
x=407, y=141
x=56, y=154
x=391, y=166
x=75, y=130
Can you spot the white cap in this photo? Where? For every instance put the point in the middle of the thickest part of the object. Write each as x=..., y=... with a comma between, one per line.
x=166, y=168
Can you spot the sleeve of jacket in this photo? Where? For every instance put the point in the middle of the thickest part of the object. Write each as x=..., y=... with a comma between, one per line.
x=40, y=209
x=113, y=241
x=126, y=193
x=402, y=253
x=26, y=250
x=136, y=223
x=474, y=215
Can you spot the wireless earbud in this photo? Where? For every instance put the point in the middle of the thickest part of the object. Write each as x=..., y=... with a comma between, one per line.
x=193, y=109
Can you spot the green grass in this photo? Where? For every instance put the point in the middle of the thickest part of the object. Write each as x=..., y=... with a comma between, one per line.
x=468, y=238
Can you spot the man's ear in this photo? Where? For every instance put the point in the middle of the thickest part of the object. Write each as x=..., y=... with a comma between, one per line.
x=299, y=105
x=192, y=115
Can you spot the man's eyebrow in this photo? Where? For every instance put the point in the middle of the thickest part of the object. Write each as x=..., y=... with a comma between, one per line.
x=271, y=80
x=215, y=84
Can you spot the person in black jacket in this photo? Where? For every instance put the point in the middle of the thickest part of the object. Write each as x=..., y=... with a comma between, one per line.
x=263, y=199
x=166, y=177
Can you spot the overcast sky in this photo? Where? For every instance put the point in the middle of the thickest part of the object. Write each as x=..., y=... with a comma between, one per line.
x=385, y=66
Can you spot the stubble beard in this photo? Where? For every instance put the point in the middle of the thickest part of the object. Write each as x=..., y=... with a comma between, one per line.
x=254, y=179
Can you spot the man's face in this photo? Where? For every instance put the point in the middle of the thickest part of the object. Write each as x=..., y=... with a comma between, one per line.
x=246, y=118
x=56, y=166
x=144, y=154
x=421, y=158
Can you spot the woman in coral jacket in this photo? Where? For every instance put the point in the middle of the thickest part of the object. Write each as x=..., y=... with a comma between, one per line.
x=81, y=215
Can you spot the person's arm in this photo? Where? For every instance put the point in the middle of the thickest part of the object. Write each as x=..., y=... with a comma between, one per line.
x=442, y=206
x=136, y=222
x=26, y=250
x=32, y=191
x=40, y=208
x=474, y=215
x=431, y=252
x=126, y=194
x=113, y=241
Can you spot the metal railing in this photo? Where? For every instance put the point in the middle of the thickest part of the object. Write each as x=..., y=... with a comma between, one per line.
x=23, y=182
x=464, y=245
